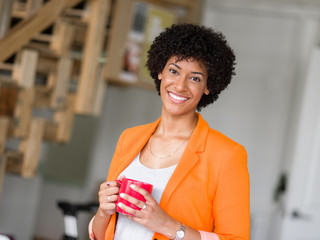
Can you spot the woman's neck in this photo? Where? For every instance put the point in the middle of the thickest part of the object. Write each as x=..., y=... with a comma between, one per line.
x=174, y=126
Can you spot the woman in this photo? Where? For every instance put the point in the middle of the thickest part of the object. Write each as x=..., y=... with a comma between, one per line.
x=200, y=176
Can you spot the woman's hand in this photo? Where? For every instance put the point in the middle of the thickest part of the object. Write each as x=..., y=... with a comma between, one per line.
x=108, y=195
x=151, y=215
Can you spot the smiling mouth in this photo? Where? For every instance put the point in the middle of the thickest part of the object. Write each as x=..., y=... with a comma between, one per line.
x=177, y=98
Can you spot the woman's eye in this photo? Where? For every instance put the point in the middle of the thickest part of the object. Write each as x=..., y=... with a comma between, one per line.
x=195, y=79
x=173, y=71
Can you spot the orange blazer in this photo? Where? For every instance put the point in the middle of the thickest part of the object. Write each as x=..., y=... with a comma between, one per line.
x=209, y=189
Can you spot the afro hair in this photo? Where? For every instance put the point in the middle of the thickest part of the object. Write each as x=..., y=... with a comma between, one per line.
x=190, y=41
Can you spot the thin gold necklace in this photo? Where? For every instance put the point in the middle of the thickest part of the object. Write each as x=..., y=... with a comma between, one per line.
x=169, y=155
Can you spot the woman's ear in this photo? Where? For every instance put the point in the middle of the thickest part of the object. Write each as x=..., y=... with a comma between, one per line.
x=206, y=91
x=160, y=76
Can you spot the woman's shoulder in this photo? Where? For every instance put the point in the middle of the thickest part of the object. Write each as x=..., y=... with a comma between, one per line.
x=215, y=139
x=219, y=136
x=222, y=150
x=222, y=141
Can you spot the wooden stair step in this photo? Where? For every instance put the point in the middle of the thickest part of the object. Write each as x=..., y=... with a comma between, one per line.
x=19, y=9
x=43, y=38
x=6, y=66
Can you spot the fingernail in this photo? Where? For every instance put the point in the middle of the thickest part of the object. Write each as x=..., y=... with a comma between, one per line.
x=120, y=204
x=133, y=186
x=122, y=195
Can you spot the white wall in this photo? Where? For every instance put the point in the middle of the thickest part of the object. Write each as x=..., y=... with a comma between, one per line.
x=270, y=46
x=19, y=204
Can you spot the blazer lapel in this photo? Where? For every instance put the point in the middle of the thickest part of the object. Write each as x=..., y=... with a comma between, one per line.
x=188, y=160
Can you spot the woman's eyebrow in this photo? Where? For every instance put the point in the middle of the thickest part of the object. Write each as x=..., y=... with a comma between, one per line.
x=176, y=65
x=198, y=73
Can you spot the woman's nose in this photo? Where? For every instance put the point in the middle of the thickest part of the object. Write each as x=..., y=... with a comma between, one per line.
x=181, y=83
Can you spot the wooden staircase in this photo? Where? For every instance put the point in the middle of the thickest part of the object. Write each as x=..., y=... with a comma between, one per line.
x=53, y=58
x=46, y=46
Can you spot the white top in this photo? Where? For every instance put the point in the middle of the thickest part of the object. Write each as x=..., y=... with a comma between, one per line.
x=127, y=229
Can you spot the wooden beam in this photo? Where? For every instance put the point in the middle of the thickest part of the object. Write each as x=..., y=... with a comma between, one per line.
x=33, y=6
x=25, y=9
x=65, y=119
x=19, y=9
x=60, y=129
x=62, y=77
x=42, y=37
x=63, y=35
x=46, y=65
x=23, y=32
x=24, y=70
x=42, y=98
x=121, y=23
x=5, y=17
x=79, y=14
x=31, y=146
x=6, y=67
x=100, y=91
x=3, y=165
x=92, y=51
x=23, y=112
x=4, y=126
x=8, y=98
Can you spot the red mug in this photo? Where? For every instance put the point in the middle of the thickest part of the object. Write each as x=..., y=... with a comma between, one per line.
x=125, y=188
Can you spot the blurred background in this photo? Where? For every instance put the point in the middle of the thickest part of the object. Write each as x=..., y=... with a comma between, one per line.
x=72, y=78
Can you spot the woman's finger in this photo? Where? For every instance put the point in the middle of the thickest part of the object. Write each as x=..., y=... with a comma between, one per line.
x=121, y=177
x=129, y=210
x=133, y=200
x=111, y=198
x=108, y=195
x=108, y=184
x=104, y=193
x=143, y=192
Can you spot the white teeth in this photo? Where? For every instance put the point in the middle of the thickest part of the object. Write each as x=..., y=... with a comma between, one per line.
x=177, y=97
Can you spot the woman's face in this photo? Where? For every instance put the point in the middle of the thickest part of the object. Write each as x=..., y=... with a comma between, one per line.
x=182, y=85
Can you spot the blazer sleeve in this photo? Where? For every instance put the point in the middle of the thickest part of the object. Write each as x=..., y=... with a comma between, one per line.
x=231, y=204
x=114, y=162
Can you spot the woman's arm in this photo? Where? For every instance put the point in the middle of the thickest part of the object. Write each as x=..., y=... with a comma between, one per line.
x=98, y=226
x=108, y=195
x=208, y=236
x=231, y=205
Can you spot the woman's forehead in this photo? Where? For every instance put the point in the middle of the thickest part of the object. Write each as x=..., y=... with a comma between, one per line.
x=177, y=59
